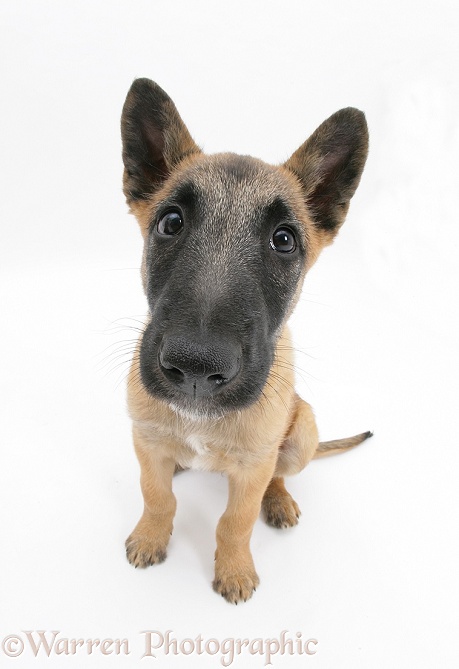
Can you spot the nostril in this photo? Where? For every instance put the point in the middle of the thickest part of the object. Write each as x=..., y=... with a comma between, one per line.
x=197, y=368
x=173, y=373
x=217, y=379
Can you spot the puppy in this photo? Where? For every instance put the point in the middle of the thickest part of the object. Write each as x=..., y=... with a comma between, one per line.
x=228, y=241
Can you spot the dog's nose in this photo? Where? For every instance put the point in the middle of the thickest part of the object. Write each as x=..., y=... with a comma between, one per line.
x=199, y=368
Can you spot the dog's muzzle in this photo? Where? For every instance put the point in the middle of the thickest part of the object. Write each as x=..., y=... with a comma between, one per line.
x=199, y=368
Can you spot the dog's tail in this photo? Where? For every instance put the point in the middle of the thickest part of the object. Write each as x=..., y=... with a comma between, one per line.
x=326, y=448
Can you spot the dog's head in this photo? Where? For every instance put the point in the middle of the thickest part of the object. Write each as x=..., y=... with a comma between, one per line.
x=228, y=240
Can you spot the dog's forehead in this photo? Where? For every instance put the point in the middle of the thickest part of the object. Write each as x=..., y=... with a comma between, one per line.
x=232, y=182
x=238, y=176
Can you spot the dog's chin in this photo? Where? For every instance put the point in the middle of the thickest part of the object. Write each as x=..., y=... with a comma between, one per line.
x=198, y=414
x=208, y=408
x=212, y=407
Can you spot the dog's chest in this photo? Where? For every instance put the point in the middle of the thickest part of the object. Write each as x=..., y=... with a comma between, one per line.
x=200, y=456
x=197, y=444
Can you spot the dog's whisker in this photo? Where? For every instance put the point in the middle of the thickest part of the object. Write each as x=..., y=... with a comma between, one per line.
x=130, y=342
x=125, y=323
x=125, y=356
x=295, y=349
x=302, y=373
x=120, y=360
x=124, y=378
x=121, y=365
x=115, y=329
x=288, y=364
x=120, y=350
x=279, y=378
x=274, y=389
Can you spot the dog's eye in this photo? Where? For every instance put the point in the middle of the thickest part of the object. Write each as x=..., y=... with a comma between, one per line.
x=283, y=240
x=170, y=224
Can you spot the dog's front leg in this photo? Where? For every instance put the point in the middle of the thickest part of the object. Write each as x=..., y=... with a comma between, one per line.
x=235, y=575
x=148, y=542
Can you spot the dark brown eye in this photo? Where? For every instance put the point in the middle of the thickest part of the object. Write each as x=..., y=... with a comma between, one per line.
x=283, y=240
x=170, y=224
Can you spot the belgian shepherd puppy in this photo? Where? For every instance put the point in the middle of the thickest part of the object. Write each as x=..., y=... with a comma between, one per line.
x=228, y=241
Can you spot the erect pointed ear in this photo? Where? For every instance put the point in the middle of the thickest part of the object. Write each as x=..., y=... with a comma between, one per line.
x=329, y=166
x=155, y=139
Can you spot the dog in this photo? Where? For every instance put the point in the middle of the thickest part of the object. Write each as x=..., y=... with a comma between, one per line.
x=228, y=240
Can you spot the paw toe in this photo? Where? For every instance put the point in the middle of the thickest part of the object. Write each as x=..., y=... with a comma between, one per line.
x=281, y=511
x=142, y=552
x=236, y=587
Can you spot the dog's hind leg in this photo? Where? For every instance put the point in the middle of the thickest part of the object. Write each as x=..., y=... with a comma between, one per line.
x=297, y=449
x=301, y=441
x=279, y=508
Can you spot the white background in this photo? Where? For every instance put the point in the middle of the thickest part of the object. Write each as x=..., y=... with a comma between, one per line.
x=371, y=571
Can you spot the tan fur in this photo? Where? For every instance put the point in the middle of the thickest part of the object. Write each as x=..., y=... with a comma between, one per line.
x=276, y=436
x=255, y=448
x=249, y=446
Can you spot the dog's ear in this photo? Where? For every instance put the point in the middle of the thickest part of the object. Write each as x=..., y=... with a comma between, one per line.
x=155, y=139
x=329, y=166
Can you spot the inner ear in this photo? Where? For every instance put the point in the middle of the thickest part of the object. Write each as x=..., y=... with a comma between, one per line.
x=329, y=166
x=155, y=139
x=150, y=164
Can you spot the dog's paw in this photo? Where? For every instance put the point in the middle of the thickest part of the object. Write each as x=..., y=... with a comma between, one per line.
x=281, y=510
x=235, y=586
x=143, y=551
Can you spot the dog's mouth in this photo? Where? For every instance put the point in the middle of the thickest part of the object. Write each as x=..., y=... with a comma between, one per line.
x=199, y=376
